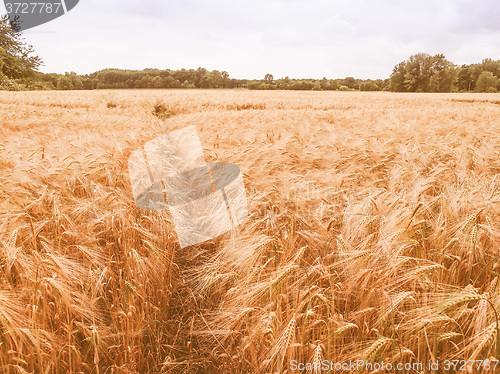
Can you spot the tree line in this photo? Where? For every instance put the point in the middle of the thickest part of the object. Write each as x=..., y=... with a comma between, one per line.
x=147, y=78
x=346, y=84
x=419, y=73
x=425, y=73
x=199, y=78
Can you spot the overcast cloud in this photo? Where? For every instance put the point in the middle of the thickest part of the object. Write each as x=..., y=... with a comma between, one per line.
x=295, y=38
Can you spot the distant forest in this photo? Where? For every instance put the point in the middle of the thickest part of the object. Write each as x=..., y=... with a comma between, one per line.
x=19, y=70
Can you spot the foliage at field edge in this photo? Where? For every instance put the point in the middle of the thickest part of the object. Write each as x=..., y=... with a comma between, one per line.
x=18, y=64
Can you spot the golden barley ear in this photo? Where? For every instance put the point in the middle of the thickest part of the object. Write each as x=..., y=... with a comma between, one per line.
x=375, y=348
x=276, y=355
x=317, y=360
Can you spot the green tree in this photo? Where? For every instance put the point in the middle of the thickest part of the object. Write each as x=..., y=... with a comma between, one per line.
x=17, y=61
x=51, y=78
x=397, y=81
x=64, y=83
x=76, y=80
x=351, y=83
x=369, y=86
x=253, y=85
x=269, y=78
x=187, y=84
x=325, y=84
x=486, y=82
x=423, y=73
x=334, y=84
x=475, y=71
x=225, y=78
x=168, y=82
x=302, y=85
x=157, y=82
x=77, y=83
x=443, y=74
x=418, y=73
x=283, y=83
x=212, y=80
x=491, y=65
x=464, y=78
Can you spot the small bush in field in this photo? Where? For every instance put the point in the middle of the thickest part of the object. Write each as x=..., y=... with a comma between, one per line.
x=161, y=111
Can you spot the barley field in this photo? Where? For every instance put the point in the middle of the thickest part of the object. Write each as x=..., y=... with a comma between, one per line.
x=373, y=233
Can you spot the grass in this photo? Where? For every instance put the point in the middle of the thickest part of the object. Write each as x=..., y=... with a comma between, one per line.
x=373, y=233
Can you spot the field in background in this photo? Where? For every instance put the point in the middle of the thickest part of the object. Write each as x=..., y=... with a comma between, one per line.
x=373, y=233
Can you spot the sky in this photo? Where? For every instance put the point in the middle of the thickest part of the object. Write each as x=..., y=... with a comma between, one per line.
x=250, y=38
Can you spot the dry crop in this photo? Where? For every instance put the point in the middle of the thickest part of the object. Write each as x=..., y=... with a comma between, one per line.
x=373, y=233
